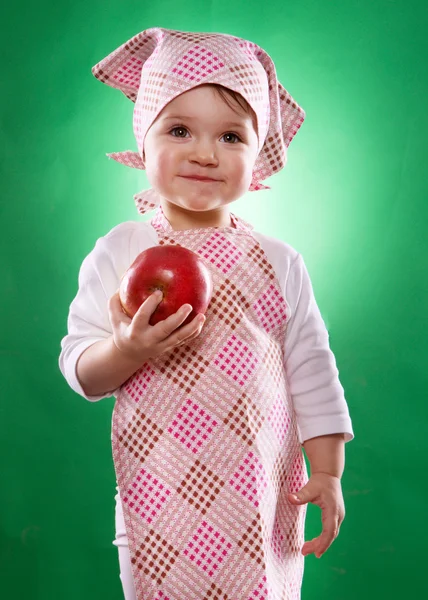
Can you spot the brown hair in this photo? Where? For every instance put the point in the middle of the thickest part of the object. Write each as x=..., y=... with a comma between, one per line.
x=226, y=94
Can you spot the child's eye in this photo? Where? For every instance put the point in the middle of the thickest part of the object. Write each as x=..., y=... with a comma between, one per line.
x=180, y=129
x=230, y=134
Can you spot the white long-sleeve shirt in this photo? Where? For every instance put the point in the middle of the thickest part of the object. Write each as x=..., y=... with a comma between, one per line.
x=318, y=396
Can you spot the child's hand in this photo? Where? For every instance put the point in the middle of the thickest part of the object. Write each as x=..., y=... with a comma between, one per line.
x=139, y=340
x=326, y=491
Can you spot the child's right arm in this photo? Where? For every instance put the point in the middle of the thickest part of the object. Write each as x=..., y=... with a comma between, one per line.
x=103, y=347
x=107, y=364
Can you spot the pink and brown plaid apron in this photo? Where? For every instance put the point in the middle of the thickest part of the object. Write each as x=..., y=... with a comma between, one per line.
x=205, y=442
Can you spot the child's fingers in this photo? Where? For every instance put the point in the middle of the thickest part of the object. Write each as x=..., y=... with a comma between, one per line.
x=148, y=307
x=308, y=493
x=165, y=328
x=197, y=327
x=171, y=337
x=330, y=531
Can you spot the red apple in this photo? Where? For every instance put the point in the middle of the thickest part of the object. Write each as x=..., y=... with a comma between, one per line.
x=179, y=273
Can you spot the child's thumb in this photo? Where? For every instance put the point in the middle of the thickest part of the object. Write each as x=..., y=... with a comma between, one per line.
x=301, y=497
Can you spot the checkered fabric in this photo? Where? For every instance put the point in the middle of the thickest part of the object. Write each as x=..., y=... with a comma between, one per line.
x=205, y=442
x=158, y=64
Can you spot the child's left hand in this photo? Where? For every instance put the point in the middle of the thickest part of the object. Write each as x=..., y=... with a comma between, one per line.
x=325, y=491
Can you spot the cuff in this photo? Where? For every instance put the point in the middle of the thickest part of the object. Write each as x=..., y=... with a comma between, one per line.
x=70, y=371
x=327, y=426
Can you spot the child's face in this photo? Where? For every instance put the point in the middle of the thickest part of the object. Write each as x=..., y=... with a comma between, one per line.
x=198, y=134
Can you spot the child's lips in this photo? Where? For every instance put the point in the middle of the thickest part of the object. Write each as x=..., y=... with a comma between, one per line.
x=197, y=178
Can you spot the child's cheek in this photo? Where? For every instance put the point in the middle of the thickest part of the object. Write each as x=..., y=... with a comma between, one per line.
x=157, y=167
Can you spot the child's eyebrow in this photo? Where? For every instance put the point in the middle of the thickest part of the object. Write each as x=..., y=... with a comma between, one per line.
x=187, y=118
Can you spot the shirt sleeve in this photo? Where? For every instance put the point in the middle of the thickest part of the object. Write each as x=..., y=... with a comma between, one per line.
x=88, y=321
x=312, y=374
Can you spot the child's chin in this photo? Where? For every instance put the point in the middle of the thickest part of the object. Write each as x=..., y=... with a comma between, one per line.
x=199, y=203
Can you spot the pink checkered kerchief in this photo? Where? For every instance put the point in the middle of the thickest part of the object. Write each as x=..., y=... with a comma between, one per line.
x=156, y=65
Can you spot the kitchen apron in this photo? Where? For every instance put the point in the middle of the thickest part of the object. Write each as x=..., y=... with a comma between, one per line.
x=205, y=442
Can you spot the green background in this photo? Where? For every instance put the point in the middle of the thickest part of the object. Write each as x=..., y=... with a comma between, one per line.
x=351, y=200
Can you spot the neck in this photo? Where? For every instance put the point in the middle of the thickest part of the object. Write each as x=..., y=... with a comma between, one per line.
x=181, y=219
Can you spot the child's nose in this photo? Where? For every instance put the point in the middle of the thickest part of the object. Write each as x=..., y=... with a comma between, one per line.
x=203, y=152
